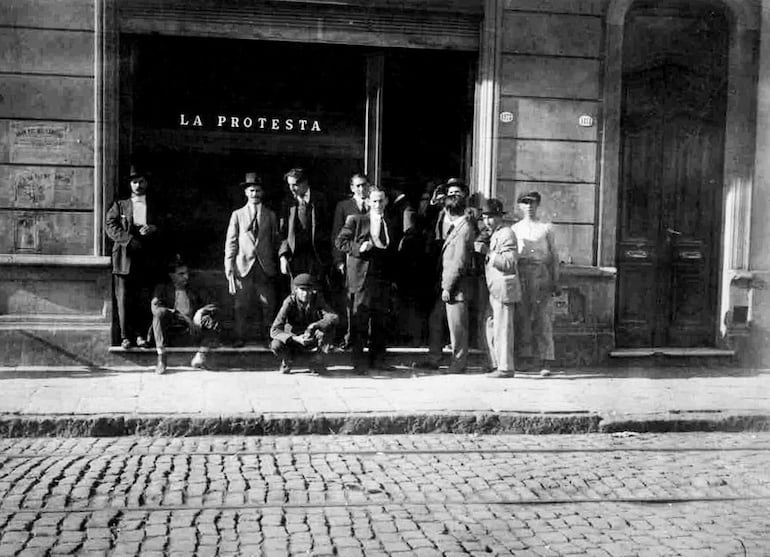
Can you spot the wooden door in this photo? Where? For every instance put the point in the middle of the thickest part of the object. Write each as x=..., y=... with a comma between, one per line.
x=671, y=187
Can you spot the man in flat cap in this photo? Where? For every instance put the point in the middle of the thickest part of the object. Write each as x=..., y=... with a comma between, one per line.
x=504, y=290
x=538, y=267
x=304, y=324
x=133, y=226
x=251, y=248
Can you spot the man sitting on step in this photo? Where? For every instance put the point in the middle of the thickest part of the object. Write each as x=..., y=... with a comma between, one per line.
x=179, y=318
x=304, y=323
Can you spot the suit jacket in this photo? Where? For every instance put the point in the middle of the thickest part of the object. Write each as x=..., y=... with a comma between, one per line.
x=500, y=260
x=293, y=318
x=319, y=229
x=243, y=248
x=356, y=231
x=130, y=250
x=344, y=209
x=456, y=254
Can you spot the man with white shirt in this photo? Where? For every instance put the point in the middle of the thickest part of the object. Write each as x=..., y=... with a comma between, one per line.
x=370, y=241
x=538, y=268
x=354, y=205
x=251, y=246
x=132, y=225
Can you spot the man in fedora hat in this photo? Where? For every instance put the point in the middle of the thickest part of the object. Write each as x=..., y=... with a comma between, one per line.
x=304, y=324
x=251, y=246
x=133, y=226
x=500, y=268
x=538, y=268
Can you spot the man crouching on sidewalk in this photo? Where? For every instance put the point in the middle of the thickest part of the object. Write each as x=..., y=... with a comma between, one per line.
x=180, y=319
x=304, y=323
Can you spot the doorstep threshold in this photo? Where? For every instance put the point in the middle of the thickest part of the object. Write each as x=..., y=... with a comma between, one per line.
x=675, y=352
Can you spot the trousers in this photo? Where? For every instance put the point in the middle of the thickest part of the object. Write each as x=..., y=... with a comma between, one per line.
x=499, y=333
x=535, y=312
x=257, y=290
x=457, y=320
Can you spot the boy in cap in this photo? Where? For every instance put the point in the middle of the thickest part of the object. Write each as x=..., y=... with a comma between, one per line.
x=538, y=267
x=304, y=323
x=499, y=263
x=251, y=259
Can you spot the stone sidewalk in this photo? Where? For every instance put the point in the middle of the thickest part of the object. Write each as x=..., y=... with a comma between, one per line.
x=121, y=401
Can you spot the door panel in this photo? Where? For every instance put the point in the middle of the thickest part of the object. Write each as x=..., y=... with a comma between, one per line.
x=669, y=211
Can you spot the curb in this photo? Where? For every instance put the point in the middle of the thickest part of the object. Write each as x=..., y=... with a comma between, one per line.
x=371, y=424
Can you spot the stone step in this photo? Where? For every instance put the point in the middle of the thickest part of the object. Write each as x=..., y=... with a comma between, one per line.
x=259, y=358
x=671, y=356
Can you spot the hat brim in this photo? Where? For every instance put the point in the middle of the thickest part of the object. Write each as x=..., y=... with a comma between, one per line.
x=493, y=213
x=528, y=200
x=245, y=184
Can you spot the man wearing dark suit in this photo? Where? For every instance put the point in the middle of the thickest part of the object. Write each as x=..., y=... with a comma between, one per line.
x=179, y=317
x=304, y=229
x=133, y=226
x=370, y=241
x=251, y=246
x=455, y=232
x=355, y=205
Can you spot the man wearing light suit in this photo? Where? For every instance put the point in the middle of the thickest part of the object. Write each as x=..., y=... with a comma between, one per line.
x=250, y=259
x=370, y=241
x=454, y=233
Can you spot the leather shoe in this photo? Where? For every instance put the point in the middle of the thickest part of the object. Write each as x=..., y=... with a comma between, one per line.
x=125, y=344
x=142, y=343
x=499, y=374
x=199, y=361
x=284, y=367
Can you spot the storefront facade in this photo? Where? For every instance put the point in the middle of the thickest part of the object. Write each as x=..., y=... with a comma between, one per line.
x=651, y=188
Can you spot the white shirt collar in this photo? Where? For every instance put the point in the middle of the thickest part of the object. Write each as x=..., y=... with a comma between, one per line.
x=305, y=197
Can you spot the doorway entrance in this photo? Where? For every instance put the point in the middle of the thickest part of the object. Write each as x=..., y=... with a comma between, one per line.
x=672, y=158
x=201, y=112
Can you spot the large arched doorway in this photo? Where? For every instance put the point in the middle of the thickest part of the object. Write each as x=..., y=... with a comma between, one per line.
x=674, y=94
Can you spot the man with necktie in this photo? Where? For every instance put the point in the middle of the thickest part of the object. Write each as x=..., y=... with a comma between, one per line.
x=354, y=205
x=133, y=226
x=370, y=241
x=303, y=228
x=250, y=260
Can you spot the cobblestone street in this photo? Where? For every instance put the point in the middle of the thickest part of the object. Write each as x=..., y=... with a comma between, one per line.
x=674, y=494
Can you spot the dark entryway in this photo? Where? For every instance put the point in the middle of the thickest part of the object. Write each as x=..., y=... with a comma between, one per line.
x=672, y=154
x=424, y=122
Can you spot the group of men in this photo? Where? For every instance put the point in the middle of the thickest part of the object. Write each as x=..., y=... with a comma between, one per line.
x=347, y=272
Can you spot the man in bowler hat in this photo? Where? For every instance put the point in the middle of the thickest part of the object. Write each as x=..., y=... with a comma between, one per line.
x=251, y=248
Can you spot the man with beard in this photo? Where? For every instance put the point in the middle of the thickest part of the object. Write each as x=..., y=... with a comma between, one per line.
x=454, y=235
